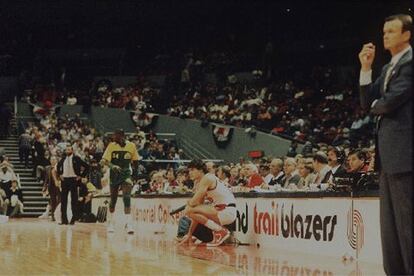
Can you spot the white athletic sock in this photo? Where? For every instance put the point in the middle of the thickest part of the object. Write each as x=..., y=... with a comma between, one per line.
x=212, y=225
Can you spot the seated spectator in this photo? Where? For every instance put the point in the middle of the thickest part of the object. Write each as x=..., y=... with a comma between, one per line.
x=7, y=175
x=185, y=184
x=336, y=159
x=320, y=165
x=291, y=173
x=254, y=179
x=211, y=167
x=145, y=152
x=357, y=160
x=292, y=149
x=14, y=200
x=95, y=174
x=299, y=159
x=6, y=162
x=276, y=170
x=171, y=179
x=159, y=183
x=223, y=173
x=243, y=177
x=307, y=149
x=86, y=192
x=234, y=175
x=306, y=174
x=264, y=171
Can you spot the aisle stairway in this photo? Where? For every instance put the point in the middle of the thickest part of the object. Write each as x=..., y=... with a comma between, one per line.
x=34, y=203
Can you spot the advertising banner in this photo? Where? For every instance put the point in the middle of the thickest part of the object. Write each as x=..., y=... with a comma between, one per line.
x=338, y=226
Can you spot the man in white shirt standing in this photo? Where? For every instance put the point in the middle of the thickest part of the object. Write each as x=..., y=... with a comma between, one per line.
x=71, y=169
x=390, y=98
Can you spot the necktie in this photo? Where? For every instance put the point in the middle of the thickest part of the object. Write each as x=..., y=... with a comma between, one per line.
x=388, y=75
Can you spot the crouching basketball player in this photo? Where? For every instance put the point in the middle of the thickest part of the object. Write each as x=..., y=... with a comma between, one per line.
x=221, y=212
x=118, y=156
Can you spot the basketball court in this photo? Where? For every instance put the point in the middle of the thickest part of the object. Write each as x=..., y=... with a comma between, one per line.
x=33, y=246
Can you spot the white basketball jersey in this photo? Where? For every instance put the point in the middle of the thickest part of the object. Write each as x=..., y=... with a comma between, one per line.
x=220, y=194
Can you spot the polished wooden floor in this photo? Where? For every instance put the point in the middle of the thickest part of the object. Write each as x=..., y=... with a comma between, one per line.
x=33, y=247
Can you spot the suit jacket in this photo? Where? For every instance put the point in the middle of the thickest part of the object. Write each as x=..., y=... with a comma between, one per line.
x=77, y=164
x=395, y=105
x=277, y=180
x=340, y=171
x=288, y=180
x=323, y=175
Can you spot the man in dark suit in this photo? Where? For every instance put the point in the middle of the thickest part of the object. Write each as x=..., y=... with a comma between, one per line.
x=390, y=99
x=71, y=169
x=276, y=169
x=336, y=160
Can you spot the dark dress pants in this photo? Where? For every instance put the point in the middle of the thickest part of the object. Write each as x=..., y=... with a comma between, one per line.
x=396, y=217
x=69, y=185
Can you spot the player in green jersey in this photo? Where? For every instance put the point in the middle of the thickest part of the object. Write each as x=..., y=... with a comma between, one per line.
x=119, y=156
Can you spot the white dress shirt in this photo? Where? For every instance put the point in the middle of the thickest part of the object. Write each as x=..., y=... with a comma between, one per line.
x=68, y=170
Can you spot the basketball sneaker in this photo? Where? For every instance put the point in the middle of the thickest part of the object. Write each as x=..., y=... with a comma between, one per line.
x=129, y=229
x=219, y=237
x=44, y=216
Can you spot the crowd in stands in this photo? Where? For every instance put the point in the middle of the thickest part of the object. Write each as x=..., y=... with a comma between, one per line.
x=311, y=172
x=301, y=113
x=313, y=168
x=315, y=108
x=45, y=140
x=307, y=105
x=314, y=111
